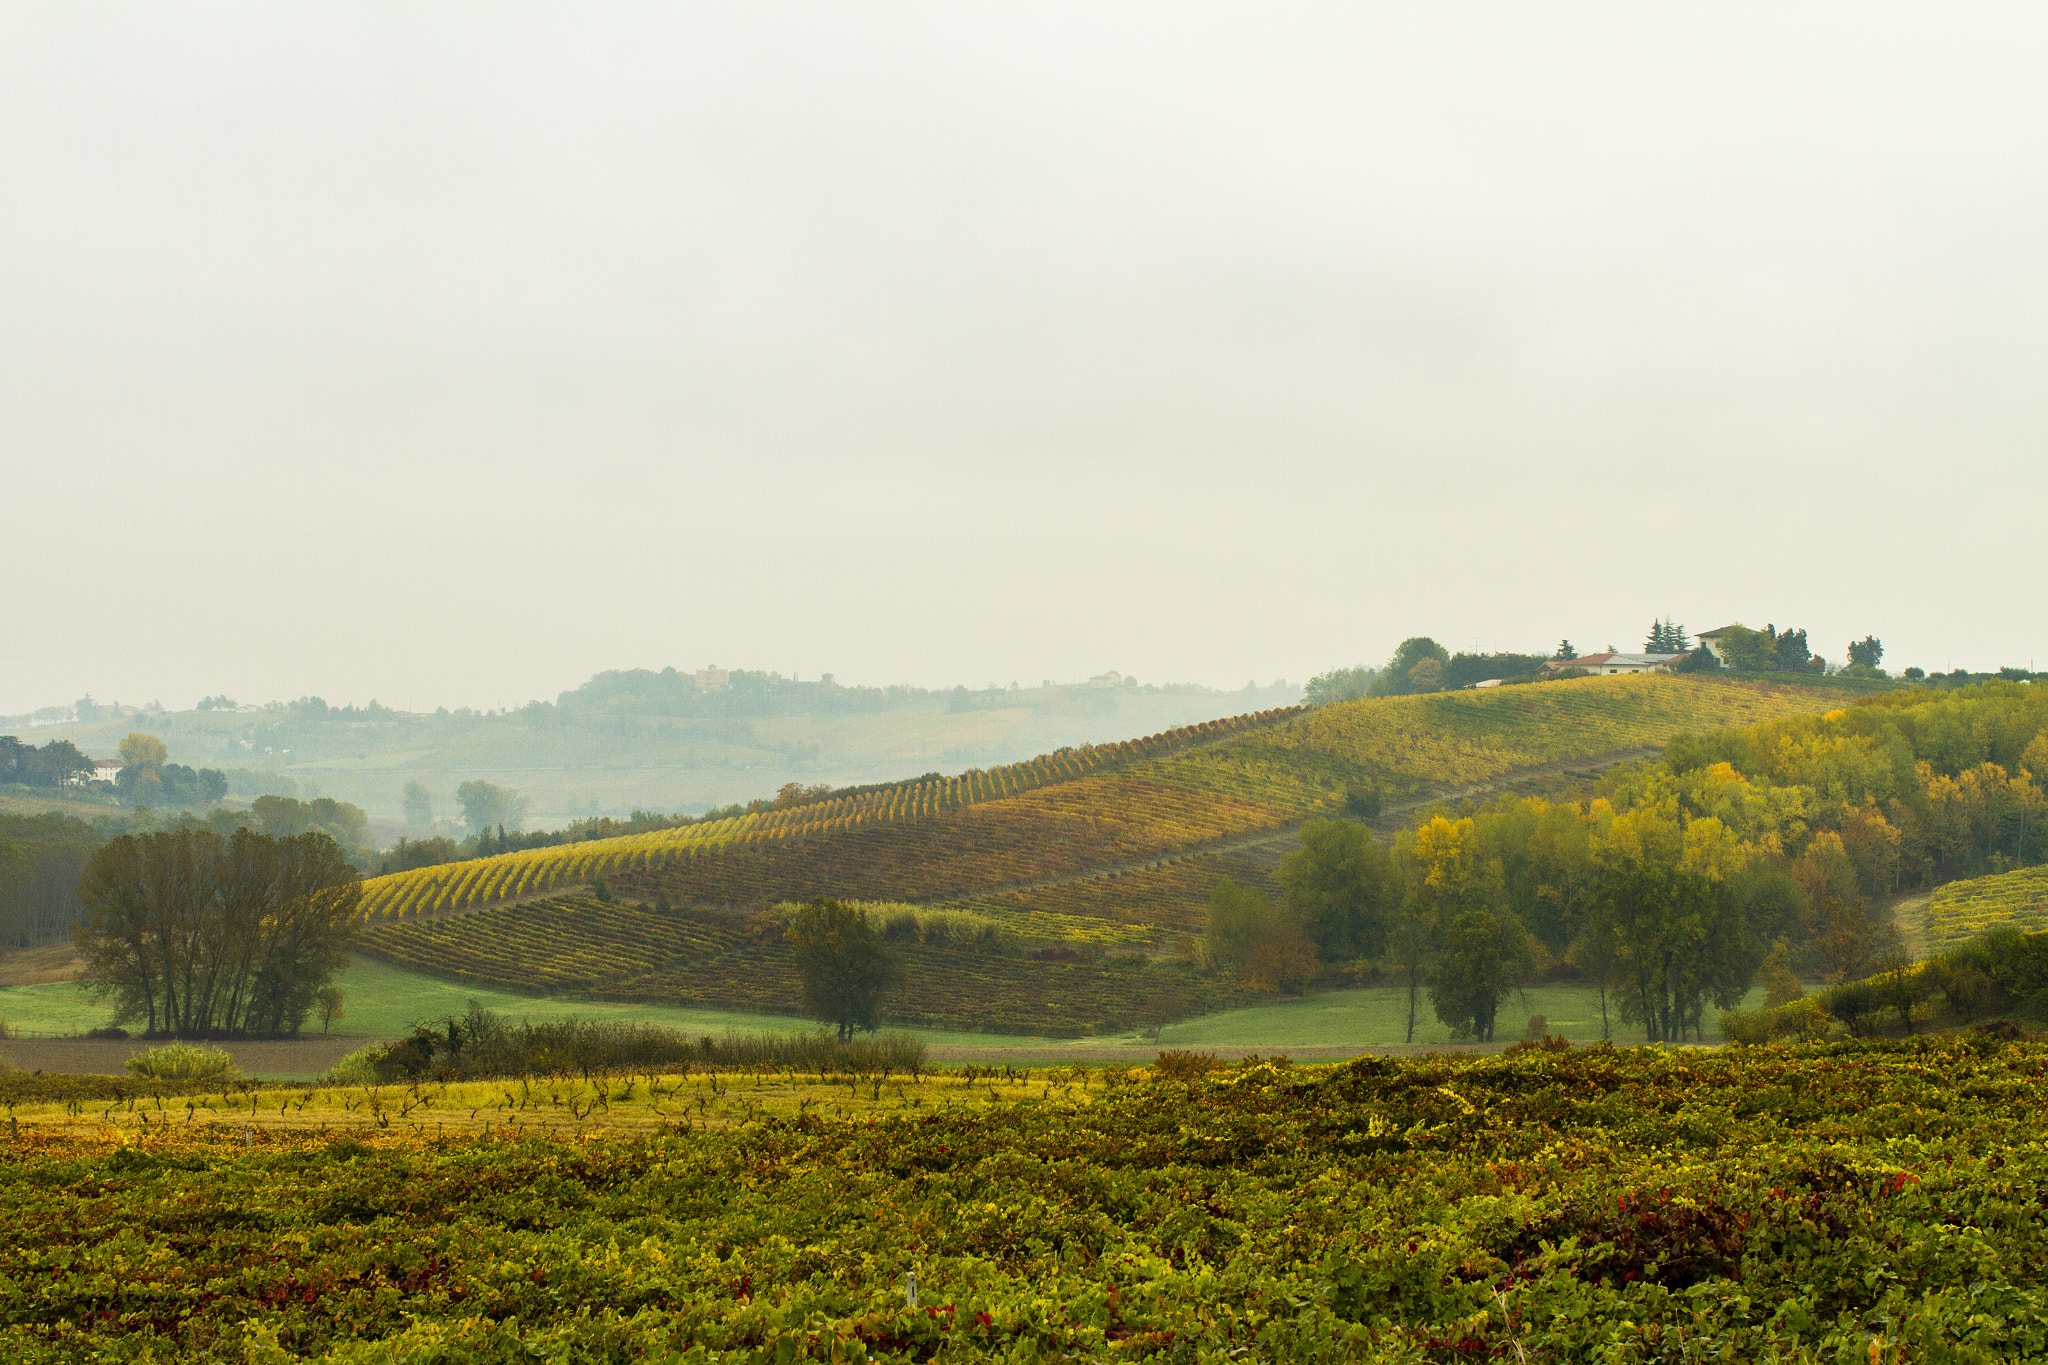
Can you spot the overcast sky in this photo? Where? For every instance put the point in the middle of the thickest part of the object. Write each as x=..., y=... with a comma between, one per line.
x=448, y=354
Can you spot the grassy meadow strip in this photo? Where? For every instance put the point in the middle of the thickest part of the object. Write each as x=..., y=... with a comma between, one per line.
x=1848, y=1202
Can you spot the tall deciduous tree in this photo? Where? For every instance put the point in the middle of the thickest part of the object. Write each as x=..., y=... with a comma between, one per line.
x=1484, y=953
x=485, y=804
x=143, y=751
x=419, y=806
x=1339, y=684
x=1440, y=880
x=1239, y=916
x=197, y=934
x=843, y=966
x=1399, y=678
x=1678, y=940
x=341, y=821
x=1748, y=649
x=1336, y=888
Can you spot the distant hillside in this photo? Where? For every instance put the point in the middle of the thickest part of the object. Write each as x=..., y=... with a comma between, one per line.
x=653, y=740
x=1126, y=837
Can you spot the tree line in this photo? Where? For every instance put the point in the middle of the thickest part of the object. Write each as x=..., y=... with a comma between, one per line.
x=56, y=764
x=1669, y=888
x=41, y=860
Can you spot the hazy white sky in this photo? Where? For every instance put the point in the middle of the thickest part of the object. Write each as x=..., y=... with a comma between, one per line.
x=448, y=354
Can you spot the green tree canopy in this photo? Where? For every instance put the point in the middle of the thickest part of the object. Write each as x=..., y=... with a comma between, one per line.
x=843, y=966
x=1677, y=941
x=1748, y=649
x=53, y=765
x=1339, y=684
x=341, y=821
x=1399, y=678
x=1239, y=916
x=196, y=934
x=1484, y=953
x=485, y=804
x=1337, y=888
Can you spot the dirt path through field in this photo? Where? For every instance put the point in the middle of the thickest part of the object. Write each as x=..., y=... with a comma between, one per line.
x=1909, y=914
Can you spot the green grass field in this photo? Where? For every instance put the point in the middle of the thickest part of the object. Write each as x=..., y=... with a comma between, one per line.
x=1377, y=1017
x=383, y=1001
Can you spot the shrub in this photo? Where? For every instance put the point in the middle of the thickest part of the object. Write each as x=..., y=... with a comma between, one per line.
x=1183, y=1065
x=406, y=1060
x=1803, y=1019
x=1855, y=1003
x=183, y=1062
x=483, y=1043
x=107, y=1031
x=358, y=1068
x=1537, y=1029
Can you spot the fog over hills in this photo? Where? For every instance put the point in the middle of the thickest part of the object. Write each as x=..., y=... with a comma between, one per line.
x=664, y=740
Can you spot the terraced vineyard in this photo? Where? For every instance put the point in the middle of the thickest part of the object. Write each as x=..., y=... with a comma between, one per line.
x=562, y=943
x=1262, y=780
x=484, y=881
x=1961, y=909
x=1158, y=903
x=1116, y=846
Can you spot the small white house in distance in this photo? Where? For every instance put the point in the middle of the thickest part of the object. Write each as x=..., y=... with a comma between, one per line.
x=105, y=769
x=1712, y=640
x=1614, y=663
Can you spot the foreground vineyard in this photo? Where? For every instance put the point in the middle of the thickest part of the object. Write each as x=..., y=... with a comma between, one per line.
x=1857, y=1202
x=1961, y=909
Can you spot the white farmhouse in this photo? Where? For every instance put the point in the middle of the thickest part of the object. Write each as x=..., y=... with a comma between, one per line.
x=1614, y=663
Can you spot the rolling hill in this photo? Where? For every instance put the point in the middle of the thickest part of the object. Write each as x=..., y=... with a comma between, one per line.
x=643, y=738
x=1087, y=860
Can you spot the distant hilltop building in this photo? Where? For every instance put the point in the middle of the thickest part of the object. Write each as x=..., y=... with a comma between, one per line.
x=713, y=679
x=1614, y=663
x=1711, y=639
x=1109, y=679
